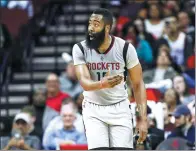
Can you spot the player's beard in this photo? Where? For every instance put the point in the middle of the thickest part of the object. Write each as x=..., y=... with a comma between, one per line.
x=98, y=39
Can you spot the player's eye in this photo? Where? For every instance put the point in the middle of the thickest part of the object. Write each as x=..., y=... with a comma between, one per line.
x=96, y=25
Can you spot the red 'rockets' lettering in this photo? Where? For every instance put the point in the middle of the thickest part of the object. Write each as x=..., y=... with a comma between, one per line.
x=103, y=66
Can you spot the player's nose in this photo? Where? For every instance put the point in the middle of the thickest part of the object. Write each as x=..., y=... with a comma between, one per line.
x=90, y=29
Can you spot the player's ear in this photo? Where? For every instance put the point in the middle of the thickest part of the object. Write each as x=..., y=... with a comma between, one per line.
x=107, y=28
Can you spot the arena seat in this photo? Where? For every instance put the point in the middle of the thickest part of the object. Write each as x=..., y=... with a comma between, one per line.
x=73, y=147
x=191, y=62
x=153, y=94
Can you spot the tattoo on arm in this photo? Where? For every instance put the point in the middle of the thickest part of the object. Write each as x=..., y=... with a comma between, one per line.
x=142, y=110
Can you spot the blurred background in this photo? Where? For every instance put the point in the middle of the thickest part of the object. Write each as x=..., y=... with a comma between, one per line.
x=39, y=91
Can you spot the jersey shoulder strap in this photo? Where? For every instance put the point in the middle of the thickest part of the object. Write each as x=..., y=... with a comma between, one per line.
x=125, y=48
x=125, y=52
x=81, y=47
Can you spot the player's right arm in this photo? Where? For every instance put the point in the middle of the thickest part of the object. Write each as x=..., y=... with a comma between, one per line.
x=84, y=77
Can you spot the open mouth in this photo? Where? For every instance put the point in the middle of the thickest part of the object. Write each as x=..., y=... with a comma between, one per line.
x=91, y=36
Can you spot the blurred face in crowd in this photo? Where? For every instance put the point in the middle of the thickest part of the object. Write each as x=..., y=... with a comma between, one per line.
x=139, y=25
x=96, y=31
x=179, y=84
x=163, y=59
x=68, y=115
x=142, y=13
x=131, y=36
x=39, y=98
x=170, y=96
x=22, y=126
x=154, y=11
x=172, y=25
x=183, y=19
x=71, y=71
x=181, y=120
x=52, y=83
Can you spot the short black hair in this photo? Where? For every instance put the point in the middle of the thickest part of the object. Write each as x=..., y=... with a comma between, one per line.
x=107, y=16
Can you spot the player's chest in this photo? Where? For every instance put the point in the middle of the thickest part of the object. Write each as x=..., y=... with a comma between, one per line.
x=96, y=61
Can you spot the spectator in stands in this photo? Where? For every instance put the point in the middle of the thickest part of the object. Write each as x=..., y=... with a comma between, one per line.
x=67, y=134
x=131, y=9
x=168, y=125
x=191, y=107
x=156, y=135
x=142, y=13
x=163, y=69
x=54, y=98
x=143, y=48
x=19, y=137
x=39, y=104
x=184, y=127
x=171, y=98
x=184, y=24
x=29, y=109
x=170, y=8
x=57, y=122
x=36, y=120
x=179, y=43
x=69, y=82
x=142, y=33
x=154, y=24
x=181, y=88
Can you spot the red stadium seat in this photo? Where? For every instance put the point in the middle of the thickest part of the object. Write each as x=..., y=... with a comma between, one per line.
x=73, y=147
x=13, y=19
x=191, y=62
x=153, y=94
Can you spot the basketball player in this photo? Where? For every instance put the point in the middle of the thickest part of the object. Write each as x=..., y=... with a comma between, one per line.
x=99, y=66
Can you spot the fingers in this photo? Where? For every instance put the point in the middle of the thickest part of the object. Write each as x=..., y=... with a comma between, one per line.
x=142, y=137
x=115, y=80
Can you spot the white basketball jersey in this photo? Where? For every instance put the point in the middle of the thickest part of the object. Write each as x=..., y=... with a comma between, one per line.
x=100, y=63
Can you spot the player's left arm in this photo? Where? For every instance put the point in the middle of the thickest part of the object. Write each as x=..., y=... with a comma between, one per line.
x=136, y=78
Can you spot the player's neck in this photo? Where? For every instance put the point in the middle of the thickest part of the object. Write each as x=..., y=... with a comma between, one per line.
x=106, y=44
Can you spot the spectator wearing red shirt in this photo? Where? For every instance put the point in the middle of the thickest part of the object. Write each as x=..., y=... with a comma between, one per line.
x=54, y=99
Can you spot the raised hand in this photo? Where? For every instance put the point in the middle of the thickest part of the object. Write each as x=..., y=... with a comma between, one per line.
x=110, y=81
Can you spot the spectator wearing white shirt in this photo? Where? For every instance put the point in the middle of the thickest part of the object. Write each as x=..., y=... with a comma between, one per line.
x=181, y=45
x=65, y=131
x=154, y=24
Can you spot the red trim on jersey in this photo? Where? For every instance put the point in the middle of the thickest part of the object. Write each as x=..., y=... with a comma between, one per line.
x=109, y=48
x=111, y=45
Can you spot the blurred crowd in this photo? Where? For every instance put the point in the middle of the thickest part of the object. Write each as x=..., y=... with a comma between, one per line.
x=163, y=33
